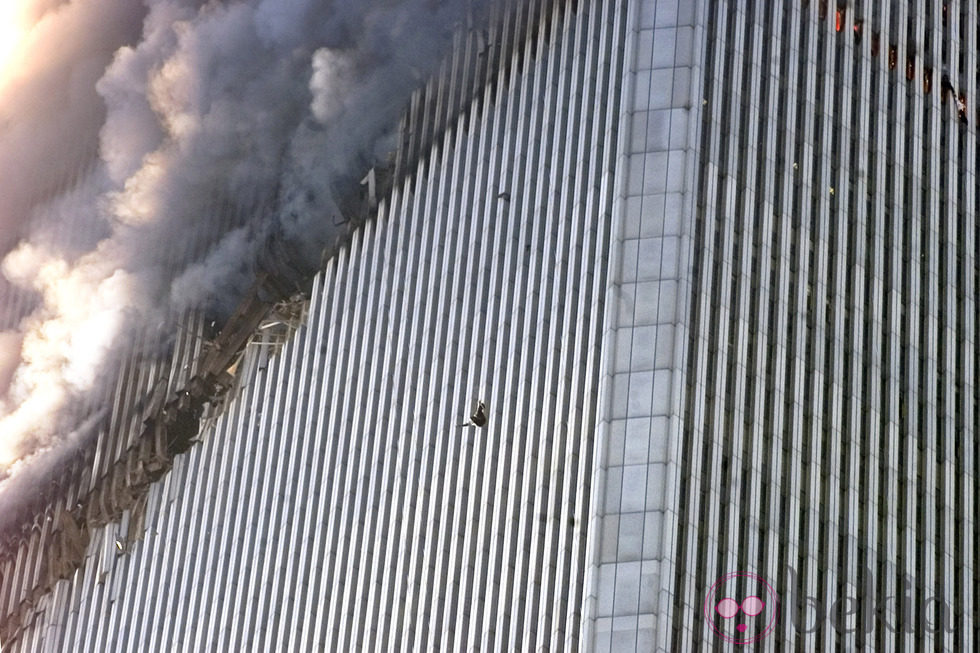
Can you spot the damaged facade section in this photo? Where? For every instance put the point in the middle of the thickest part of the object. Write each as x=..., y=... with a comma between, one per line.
x=271, y=311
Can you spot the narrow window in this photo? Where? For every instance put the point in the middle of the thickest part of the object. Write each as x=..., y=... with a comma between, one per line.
x=875, y=42
x=910, y=67
x=892, y=57
x=927, y=80
x=839, y=20
x=945, y=87
x=858, y=29
x=961, y=105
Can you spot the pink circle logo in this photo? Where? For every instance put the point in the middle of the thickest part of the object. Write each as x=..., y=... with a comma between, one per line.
x=741, y=608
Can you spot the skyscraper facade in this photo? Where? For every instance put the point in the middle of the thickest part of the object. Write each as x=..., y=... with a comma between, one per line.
x=828, y=420
x=340, y=499
x=661, y=339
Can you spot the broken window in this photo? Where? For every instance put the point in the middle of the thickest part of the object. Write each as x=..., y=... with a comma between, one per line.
x=928, y=65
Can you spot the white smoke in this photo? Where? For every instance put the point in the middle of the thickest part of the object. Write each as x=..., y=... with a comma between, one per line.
x=215, y=124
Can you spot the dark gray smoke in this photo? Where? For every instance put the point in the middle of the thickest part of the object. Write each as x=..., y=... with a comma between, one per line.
x=150, y=164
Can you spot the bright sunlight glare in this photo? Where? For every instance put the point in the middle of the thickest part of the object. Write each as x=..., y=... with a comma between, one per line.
x=12, y=32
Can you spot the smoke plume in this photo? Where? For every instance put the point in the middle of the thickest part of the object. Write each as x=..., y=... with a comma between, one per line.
x=149, y=149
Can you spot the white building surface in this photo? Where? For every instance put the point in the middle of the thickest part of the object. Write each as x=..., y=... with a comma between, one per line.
x=710, y=266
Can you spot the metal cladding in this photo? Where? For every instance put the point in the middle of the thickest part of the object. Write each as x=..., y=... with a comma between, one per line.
x=657, y=334
x=828, y=421
x=333, y=501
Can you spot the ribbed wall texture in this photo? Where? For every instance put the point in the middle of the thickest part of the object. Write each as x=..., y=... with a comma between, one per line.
x=830, y=420
x=710, y=265
x=338, y=504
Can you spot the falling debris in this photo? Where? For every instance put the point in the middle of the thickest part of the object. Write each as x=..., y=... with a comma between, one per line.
x=287, y=100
